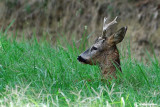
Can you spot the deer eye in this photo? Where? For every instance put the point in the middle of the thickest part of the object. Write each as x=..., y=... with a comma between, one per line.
x=94, y=48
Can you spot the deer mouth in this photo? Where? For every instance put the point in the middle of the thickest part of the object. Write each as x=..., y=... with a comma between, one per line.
x=80, y=59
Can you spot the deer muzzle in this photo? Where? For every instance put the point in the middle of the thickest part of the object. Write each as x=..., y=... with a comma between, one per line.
x=81, y=59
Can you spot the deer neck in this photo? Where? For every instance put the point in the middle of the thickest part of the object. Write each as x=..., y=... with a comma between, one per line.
x=110, y=62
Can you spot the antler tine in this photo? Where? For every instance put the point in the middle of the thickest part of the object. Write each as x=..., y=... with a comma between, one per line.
x=107, y=26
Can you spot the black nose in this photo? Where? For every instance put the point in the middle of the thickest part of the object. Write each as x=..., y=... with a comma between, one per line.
x=80, y=59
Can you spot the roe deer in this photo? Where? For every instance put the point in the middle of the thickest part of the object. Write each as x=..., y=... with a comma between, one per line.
x=104, y=51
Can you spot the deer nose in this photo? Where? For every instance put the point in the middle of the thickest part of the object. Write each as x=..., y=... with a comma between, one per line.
x=80, y=59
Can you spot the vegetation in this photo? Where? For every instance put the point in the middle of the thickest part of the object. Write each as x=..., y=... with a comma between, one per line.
x=33, y=73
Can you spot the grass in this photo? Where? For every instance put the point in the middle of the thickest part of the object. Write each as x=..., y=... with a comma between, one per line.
x=37, y=74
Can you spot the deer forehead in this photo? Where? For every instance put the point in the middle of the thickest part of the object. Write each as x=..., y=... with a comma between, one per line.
x=100, y=38
x=99, y=41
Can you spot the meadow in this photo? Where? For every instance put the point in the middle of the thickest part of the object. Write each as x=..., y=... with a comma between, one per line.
x=36, y=73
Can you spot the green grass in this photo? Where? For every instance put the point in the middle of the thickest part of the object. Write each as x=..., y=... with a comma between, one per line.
x=38, y=74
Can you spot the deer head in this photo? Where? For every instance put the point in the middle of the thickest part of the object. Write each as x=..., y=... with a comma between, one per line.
x=104, y=50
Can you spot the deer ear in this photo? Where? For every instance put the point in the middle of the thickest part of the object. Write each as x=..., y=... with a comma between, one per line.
x=119, y=35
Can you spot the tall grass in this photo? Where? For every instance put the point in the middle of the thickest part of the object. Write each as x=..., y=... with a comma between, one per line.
x=34, y=73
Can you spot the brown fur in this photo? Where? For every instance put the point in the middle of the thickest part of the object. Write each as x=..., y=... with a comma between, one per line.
x=104, y=52
x=110, y=63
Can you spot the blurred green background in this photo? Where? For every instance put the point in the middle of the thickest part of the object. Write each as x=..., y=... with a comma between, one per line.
x=41, y=39
x=67, y=18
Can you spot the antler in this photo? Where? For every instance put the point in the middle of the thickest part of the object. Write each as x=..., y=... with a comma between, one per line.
x=107, y=26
